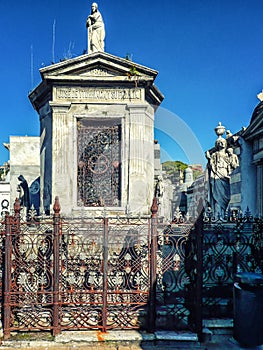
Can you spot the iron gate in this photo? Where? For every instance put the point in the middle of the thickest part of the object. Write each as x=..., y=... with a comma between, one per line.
x=104, y=273
x=78, y=274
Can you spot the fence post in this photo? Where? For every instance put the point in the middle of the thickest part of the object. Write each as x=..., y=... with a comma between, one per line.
x=17, y=209
x=105, y=273
x=153, y=267
x=199, y=225
x=7, y=278
x=56, y=275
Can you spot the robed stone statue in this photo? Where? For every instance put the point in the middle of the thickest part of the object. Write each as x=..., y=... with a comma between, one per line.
x=96, y=30
x=221, y=163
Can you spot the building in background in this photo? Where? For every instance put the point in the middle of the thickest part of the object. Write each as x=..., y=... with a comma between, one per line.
x=24, y=160
x=252, y=177
x=5, y=187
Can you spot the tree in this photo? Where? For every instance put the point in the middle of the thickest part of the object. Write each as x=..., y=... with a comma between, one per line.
x=171, y=167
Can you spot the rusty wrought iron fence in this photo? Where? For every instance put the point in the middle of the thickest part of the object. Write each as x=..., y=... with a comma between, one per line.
x=78, y=274
x=232, y=245
x=178, y=290
x=97, y=273
x=123, y=272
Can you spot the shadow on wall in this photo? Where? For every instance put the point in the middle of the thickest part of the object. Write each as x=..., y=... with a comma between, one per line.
x=29, y=196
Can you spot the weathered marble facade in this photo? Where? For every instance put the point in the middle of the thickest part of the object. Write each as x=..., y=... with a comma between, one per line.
x=24, y=160
x=252, y=180
x=74, y=98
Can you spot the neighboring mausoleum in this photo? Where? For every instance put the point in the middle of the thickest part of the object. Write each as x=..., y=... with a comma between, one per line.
x=253, y=137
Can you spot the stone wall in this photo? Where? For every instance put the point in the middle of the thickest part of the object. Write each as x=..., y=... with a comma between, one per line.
x=24, y=160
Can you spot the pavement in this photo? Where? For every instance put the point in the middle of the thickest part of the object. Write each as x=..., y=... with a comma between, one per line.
x=120, y=340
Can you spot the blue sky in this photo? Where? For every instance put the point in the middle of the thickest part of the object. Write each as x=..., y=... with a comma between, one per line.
x=208, y=53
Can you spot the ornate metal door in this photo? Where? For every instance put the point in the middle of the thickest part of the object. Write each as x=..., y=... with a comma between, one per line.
x=99, y=162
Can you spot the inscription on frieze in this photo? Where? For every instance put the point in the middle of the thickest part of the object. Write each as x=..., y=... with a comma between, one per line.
x=96, y=94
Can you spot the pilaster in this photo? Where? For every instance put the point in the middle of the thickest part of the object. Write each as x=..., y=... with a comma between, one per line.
x=260, y=189
x=141, y=158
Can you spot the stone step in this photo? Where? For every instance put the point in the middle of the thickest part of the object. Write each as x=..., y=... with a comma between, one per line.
x=218, y=323
x=176, y=336
x=215, y=329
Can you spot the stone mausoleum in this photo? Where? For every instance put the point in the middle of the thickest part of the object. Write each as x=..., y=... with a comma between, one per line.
x=96, y=116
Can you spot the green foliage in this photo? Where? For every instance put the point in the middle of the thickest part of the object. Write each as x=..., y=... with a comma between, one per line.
x=172, y=167
x=196, y=173
x=3, y=173
x=132, y=72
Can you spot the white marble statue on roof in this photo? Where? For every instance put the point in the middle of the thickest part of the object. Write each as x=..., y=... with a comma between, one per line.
x=96, y=30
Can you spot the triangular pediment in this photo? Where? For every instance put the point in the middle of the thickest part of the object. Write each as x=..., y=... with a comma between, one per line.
x=96, y=66
x=98, y=70
x=255, y=128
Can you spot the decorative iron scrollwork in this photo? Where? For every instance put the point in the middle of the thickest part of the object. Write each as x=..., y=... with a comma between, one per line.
x=99, y=163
